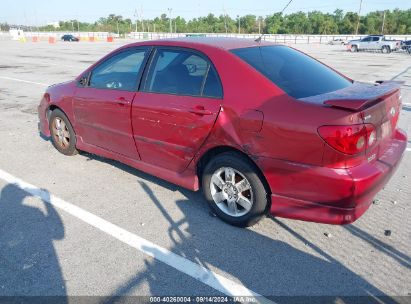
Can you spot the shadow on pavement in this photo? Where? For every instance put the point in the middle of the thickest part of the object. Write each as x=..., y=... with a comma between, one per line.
x=397, y=255
x=29, y=265
x=266, y=266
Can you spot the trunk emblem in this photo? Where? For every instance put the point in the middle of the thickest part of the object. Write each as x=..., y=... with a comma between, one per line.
x=392, y=111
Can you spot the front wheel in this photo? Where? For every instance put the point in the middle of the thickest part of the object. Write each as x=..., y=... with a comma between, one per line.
x=234, y=189
x=63, y=137
x=354, y=48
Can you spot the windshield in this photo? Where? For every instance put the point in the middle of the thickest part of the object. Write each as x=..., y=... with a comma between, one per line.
x=295, y=73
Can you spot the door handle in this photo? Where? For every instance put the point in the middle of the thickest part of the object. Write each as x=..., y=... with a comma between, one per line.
x=200, y=110
x=121, y=101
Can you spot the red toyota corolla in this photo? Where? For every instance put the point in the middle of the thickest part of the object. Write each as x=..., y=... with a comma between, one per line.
x=261, y=128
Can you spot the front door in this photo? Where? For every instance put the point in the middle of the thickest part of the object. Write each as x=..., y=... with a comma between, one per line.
x=177, y=107
x=102, y=107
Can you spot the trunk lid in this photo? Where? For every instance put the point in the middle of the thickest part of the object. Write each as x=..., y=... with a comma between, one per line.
x=378, y=104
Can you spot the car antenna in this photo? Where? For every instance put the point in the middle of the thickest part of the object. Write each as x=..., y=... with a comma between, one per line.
x=259, y=38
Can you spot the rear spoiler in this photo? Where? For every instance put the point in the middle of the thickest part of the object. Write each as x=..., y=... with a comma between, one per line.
x=357, y=96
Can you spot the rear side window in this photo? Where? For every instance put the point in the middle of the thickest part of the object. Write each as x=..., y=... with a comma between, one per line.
x=295, y=73
x=182, y=72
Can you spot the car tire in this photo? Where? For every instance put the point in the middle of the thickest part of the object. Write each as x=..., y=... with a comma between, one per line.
x=62, y=134
x=386, y=49
x=236, y=183
x=354, y=49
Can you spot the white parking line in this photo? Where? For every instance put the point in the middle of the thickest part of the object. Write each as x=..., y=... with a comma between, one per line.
x=181, y=264
x=26, y=81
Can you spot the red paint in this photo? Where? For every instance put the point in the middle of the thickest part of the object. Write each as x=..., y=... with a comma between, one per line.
x=166, y=135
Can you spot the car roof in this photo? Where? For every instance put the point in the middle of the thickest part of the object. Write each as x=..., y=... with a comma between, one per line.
x=217, y=42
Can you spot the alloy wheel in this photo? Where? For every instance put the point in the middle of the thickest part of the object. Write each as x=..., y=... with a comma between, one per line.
x=61, y=133
x=231, y=191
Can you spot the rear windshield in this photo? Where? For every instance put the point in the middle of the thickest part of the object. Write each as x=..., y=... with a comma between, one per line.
x=295, y=73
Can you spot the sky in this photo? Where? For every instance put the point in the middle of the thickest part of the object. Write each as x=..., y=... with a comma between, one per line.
x=39, y=12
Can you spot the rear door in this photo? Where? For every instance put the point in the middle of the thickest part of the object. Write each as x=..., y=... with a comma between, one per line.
x=177, y=107
x=102, y=106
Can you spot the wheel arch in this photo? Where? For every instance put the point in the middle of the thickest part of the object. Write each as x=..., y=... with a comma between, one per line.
x=215, y=151
x=53, y=107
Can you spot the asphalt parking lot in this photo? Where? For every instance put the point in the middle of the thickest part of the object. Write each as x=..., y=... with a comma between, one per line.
x=105, y=229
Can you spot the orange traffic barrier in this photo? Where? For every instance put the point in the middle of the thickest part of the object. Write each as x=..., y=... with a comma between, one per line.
x=109, y=39
x=34, y=39
x=91, y=39
x=52, y=40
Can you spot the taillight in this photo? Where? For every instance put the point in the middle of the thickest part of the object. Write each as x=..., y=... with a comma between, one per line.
x=350, y=139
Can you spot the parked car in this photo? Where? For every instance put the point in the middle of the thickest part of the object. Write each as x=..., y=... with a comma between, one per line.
x=406, y=46
x=374, y=42
x=261, y=128
x=69, y=38
x=337, y=41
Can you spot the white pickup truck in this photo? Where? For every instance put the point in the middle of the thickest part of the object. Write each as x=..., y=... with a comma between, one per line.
x=374, y=42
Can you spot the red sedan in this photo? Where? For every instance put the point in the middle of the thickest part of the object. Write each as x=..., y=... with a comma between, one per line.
x=261, y=128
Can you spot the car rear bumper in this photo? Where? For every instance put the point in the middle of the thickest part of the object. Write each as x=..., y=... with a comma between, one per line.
x=326, y=195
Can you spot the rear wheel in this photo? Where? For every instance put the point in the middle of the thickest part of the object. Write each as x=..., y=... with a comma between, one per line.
x=63, y=137
x=234, y=189
x=354, y=48
x=386, y=49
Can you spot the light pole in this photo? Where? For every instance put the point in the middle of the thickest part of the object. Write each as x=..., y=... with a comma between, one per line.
x=169, y=13
x=239, y=29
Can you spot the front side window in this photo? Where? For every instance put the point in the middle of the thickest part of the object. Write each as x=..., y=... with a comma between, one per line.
x=120, y=72
x=295, y=73
x=182, y=72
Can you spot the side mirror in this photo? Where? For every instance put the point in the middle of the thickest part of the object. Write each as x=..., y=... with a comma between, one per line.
x=83, y=81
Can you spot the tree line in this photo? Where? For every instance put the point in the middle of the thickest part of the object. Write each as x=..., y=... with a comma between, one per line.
x=395, y=22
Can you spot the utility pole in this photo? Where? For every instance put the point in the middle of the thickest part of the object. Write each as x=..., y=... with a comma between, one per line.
x=225, y=20
x=78, y=27
x=239, y=29
x=136, y=17
x=72, y=26
x=383, y=23
x=259, y=26
x=358, y=21
x=171, y=26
